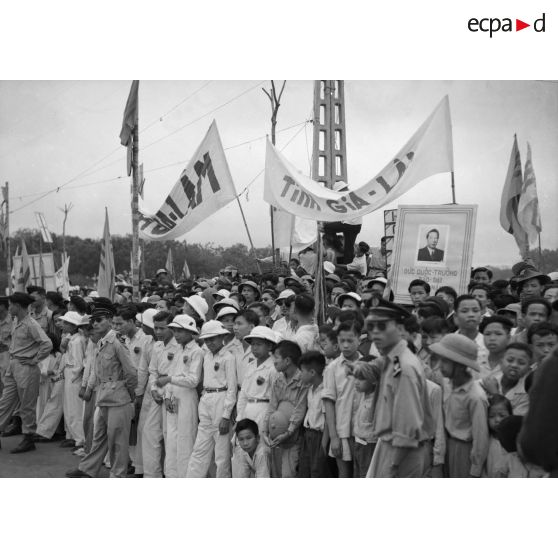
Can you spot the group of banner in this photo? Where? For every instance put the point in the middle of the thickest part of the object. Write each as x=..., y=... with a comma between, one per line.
x=206, y=185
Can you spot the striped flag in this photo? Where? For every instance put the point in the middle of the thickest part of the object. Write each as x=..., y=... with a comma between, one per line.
x=528, y=210
x=129, y=122
x=105, y=283
x=510, y=201
x=169, y=265
x=45, y=233
x=22, y=279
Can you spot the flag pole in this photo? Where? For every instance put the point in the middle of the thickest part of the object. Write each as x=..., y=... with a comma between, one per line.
x=249, y=235
x=8, y=250
x=135, y=211
x=453, y=188
x=540, y=254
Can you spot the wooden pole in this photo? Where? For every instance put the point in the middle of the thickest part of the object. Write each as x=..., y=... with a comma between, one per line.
x=135, y=212
x=249, y=235
x=8, y=248
x=275, y=101
x=540, y=255
x=453, y=188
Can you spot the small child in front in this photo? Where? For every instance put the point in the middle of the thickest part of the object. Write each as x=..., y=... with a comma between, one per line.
x=367, y=377
x=465, y=407
x=251, y=456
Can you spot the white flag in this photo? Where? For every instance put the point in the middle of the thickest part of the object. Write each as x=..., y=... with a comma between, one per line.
x=528, y=213
x=428, y=152
x=45, y=233
x=169, y=264
x=293, y=232
x=205, y=186
x=62, y=279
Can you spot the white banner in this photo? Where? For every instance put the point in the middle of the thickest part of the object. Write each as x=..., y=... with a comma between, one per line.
x=62, y=279
x=428, y=152
x=205, y=186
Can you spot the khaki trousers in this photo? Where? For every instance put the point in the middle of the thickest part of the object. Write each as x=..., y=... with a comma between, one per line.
x=21, y=386
x=111, y=432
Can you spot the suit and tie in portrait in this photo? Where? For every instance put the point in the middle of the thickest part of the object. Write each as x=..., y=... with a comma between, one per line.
x=430, y=253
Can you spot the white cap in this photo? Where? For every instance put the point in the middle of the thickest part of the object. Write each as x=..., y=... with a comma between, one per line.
x=212, y=328
x=261, y=332
x=146, y=318
x=226, y=302
x=226, y=311
x=352, y=296
x=222, y=292
x=183, y=321
x=329, y=267
x=73, y=318
x=286, y=293
x=199, y=304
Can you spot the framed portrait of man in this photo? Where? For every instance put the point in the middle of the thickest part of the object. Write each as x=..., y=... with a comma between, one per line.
x=433, y=243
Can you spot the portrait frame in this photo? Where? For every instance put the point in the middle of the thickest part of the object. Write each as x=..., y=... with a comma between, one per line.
x=456, y=225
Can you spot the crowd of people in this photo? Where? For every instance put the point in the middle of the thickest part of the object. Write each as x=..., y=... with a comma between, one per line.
x=231, y=376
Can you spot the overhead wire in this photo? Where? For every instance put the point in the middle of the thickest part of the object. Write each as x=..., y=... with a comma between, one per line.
x=83, y=173
x=147, y=171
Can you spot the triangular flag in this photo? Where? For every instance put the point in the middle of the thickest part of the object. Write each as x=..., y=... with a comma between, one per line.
x=105, y=282
x=528, y=213
x=130, y=121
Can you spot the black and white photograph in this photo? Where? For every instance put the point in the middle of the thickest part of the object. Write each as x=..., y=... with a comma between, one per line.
x=432, y=244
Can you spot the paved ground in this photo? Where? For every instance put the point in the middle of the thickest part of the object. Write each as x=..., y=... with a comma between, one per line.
x=47, y=461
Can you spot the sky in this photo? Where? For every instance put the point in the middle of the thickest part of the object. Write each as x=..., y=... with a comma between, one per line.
x=65, y=134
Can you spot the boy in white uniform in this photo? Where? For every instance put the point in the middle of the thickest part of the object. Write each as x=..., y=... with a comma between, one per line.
x=255, y=394
x=73, y=371
x=161, y=362
x=216, y=405
x=181, y=397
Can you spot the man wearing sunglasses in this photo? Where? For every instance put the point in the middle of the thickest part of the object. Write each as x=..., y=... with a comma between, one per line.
x=118, y=380
x=403, y=420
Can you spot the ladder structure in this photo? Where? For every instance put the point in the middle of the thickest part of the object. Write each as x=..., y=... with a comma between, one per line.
x=329, y=161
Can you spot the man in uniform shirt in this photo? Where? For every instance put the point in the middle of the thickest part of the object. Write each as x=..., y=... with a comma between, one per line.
x=117, y=379
x=5, y=338
x=124, y=323
x=403, y=419
x=39, y=310
x=29, y=346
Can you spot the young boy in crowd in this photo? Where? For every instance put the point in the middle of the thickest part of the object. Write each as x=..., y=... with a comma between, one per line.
x=255, y=394
x=338, y=397
x=216, y=405
x=481, y=292
x=496, y=334
x=307, y=334
x=328, y=343
x=542, y=338
x=251, y=458
x=244, y=322
x=419, y=290
x=180, y=398
x=465, y=407
x=499, y=409
x=288, y=402
x=533, y=311
x=433, y=330
x=73, y=371
x=511, y=382
x=313, y=459
x=367, y=378
x=468, y=315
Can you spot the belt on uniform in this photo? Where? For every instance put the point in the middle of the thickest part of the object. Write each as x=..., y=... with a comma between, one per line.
x=256, y=400
x=314, y=430
x=214, y=390
x=109, y=381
